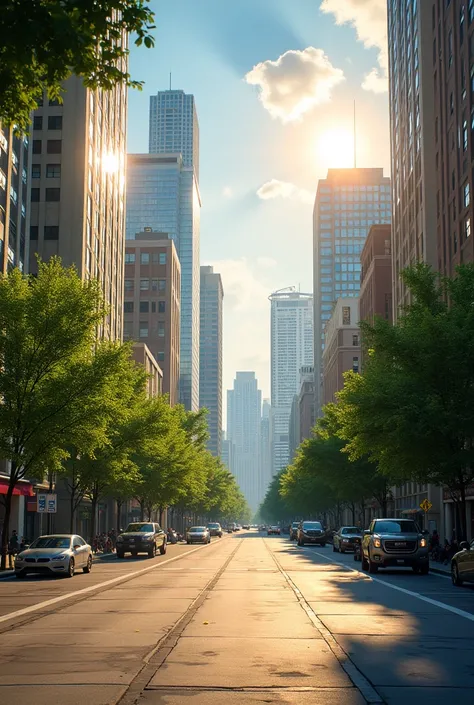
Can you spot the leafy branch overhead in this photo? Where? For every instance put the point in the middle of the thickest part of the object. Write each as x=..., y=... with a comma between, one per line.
x=43, y=42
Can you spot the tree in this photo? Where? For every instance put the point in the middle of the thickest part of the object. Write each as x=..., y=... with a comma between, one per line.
x=53, y=380
x=412, y=411
x=43, y=42
x=275, y=506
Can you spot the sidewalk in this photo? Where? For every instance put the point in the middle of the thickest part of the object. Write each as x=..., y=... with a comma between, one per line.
x=440, y=568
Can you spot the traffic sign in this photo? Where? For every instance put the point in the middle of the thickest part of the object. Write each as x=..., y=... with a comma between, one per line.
x=51, y=504
x=426, y=505
x=41, y=503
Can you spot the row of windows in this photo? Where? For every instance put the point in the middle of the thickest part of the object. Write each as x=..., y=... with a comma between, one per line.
x=52, y=146
x=144, y=329
x=156, y=284
x=55, y=122
x=51, y=194
x=50, y=232
x=146, y=258
x=53, y=171
x=144, y=306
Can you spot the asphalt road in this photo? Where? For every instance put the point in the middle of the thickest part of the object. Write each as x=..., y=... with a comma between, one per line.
x=248, y=619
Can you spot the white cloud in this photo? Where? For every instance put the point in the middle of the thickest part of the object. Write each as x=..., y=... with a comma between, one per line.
x=227, y=192
x=369, y=18
x=283, y=189
x=295, y=83
x=266, y=262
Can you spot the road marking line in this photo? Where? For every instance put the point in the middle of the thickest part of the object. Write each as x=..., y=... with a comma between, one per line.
x=419, y=596
x=91, y=588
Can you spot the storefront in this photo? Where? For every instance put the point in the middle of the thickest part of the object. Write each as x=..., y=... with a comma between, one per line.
x=22, y=491
x=452, y=514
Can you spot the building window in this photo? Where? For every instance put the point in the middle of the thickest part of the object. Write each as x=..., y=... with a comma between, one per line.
x=38, y=122
x=462, y=16
x=154, y=284
x=130, y=258
x=34, y=232
x=467, y=228
x=450, y=47
x=466, y=195
x=54, y=102
x=464, y=135
x=144, y=306
x=153, y=306
x=53, y=171
x=144, y=258
x=36, y=146
x=36, y=171
x=161, y=284
x=143, y=329
x=355, y=364
x=160, y=356
x=346, y=315
x=355, y=340
x=162, y=257
x=154, y=257
x=451, y=103
x=471, y=11
x=161, y=306
x=53, y=194
x=128, y=306
x=144, y=284
x=53, y=146
x=128, y=284
x=161, y=329
x=51, y=232
x=35, y=195
x=55, y=122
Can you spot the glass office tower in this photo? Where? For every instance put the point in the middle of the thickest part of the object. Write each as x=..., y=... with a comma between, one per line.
x=348, y=202
x=174, y=126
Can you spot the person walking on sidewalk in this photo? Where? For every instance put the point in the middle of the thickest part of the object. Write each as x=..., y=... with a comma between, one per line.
x=12, y=548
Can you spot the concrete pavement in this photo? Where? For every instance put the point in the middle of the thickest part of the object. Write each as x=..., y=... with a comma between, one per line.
x=244, y=620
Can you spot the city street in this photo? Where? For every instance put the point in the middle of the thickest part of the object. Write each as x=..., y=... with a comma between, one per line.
x=248, y=619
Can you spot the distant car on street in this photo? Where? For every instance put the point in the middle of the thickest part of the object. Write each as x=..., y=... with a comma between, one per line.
x=55, y=554
x=345, y=539
x=294, y=530
x=311, y=532
x=215, y=529
x=142, y=537
x=275, y=530
x=246, y=527
x=198, y=534
x=462, y=564
x=395, y=542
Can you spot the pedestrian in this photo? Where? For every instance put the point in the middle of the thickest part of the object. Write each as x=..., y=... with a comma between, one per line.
x=12, y=548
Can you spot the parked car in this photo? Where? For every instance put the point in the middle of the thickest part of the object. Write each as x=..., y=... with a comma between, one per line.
x=54, y=554
x=294, y=530
x=345, y=539
x=141, y=537
x=311, y=532
x=395, y=542
x=215, y=529
x=273, y=530
x=462, y=564
x=246, y=527
x=198, y=534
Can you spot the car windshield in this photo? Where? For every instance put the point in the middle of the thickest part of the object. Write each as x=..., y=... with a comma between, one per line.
x=142, y=528
x=396, y=527
x=312, y=525
x=213, y=526
x=197, y=529
x=350, y=530
x=295, y=525
x=52, y=542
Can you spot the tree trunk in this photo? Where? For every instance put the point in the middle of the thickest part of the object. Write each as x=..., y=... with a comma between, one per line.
x=119, y=514
x=6, y=519
x=94, y=503
x=161, y=510
x=72, y=510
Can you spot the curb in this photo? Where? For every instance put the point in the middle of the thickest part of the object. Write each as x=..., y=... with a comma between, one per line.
x=440, y=571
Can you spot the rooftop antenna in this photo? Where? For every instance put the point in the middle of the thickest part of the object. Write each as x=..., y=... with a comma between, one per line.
x=355, y=142
x=170, y=80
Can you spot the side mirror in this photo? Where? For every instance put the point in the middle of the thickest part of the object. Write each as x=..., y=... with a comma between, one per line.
x=464, y=546
x=367, y=532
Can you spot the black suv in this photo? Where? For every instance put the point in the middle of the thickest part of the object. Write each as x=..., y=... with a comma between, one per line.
x=141, y=537
x=311, y=532
x=395, y=542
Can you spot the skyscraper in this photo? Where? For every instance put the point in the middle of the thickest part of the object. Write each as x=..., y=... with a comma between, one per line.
x=415, y=152
x=348, y=202
x=15, y=157
x=291, y=348
x=78, y=188
x=163, y=194
x=265, y=448
x=244, y=404
x=210, y=356
x=174, y=126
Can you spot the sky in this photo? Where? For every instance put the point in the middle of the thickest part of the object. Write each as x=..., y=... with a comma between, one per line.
x=275, y=83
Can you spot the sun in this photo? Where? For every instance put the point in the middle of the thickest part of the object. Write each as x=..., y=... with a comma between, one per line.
x=110, y=163
x=336, y=148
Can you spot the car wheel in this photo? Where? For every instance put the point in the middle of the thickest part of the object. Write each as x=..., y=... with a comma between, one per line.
x=365, y=562
x=455, y=575
x=372, y=567
x=152, y=551
x=416, y=569
x=21, y=575
x=120, y=554
x=70, y=568
x=163, y=548
x=88, y=567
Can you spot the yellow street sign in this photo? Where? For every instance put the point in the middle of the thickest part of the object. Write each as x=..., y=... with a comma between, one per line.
x=426, y=505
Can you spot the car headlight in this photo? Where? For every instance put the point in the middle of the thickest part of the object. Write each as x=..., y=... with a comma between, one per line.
x=119, y=539
x=345, y=540
x=377, y=543
x=423, y=542
x=59, y=558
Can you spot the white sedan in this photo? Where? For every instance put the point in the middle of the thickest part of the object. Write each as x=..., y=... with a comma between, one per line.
x=56, y=554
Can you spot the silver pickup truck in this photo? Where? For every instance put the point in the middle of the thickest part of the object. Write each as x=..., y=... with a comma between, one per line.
x=395, y=542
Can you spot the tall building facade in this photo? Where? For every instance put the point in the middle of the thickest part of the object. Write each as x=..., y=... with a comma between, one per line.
x=412, y=53
x=152, y=294
x=174, y=126
x=163, y=194
x=78, y=188
x=15, y=156
x=244, y=403
x=348, y=202
x=291, y=348
x=375, y=298
x=342, y=346
x=210, y=356
x=265, y=448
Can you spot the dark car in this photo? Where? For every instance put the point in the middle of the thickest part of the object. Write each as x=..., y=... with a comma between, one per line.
x=311, y=532
x=273, y=530
x=294, y=530
x=141, y=537
x=345, y=539
x=395, y=542
x=462, y=564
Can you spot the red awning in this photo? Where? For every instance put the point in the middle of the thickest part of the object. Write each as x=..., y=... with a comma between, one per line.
x=21, y=488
